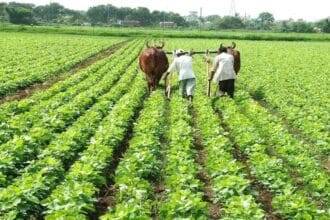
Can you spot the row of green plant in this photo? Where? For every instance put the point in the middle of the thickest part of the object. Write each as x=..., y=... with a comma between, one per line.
x=31, y=58
x=25, y=147
x=13, y=72
x=138, y=172
x=19, y=124
x=292, y=151
x=75, y=197
x=288, y=200
x=56, y=91
x=23, y=197
x=183, y=197
x=230, y=186
x=173, y=33
x=297, y=89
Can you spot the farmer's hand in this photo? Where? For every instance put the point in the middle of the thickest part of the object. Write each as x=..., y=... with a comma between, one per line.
x=211, y=76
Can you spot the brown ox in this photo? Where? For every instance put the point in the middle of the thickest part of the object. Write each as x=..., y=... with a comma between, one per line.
x=237, y=56
x=154, y=63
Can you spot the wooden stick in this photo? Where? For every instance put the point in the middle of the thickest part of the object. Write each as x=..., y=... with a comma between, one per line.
x=168, y=87
x=207, y=54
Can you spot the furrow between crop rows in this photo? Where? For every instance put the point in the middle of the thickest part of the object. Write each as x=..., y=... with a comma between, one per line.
x=16, y=107
x=50, y=62
x=183, y=197
x=89, y=173
x=269, y=171
x=305, y=169
x=27, y=146
x=319, y=146
x=39, y=87
x=262, y=194
x=227, y=176
x=140, y=168
x=44, y=174
x=17, y=124
x=214, y=207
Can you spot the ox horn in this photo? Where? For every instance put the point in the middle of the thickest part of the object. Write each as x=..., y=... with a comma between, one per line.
x=147, y=44
x=233, y=45
x=162, y=44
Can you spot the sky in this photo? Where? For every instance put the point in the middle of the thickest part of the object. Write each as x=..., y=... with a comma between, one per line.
x=310, y=10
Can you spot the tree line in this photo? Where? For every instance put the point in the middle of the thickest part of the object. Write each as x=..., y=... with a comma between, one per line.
x=109, y=15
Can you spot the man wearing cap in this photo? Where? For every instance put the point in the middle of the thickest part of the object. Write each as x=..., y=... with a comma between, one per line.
x=183, y=64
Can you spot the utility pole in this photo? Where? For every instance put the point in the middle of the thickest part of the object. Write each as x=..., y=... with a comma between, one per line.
x=200, y=18
x=232, y=11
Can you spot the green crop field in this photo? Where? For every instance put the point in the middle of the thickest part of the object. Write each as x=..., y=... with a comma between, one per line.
x=168, y=33
x=30, y=58
x=94, y=144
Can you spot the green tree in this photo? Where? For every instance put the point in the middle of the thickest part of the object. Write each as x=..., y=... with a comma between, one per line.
x=122, y=13
x=212, y=18
x=20, y=13
x=142, y=15
x=2, y=11
x=72, y=17
x=49, y=13
x=98, y=14
x=229, y=22
x=301, y=26
x=265, y=20
x=178, y=19
x=324, y=25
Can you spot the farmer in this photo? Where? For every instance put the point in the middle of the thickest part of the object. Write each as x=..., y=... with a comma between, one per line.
x=183, y=64
x=223, y=72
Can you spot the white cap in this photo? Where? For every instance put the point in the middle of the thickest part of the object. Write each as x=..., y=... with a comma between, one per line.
x=179, y=51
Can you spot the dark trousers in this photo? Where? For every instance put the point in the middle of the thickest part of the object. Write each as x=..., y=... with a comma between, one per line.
x=227, y=86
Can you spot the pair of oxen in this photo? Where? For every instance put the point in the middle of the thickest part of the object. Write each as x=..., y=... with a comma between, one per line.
x=154, y=62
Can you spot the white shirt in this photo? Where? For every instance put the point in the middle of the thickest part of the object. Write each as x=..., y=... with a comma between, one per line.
x=224, y=67
x=184, y=66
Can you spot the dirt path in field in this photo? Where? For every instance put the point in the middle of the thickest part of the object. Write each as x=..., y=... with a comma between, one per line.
x=30, y=90
x=107, y=195
x=214, y=210
x=264, y=196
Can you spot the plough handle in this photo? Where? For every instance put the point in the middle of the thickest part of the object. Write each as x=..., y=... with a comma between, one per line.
x=207, y=59
x=167, y=88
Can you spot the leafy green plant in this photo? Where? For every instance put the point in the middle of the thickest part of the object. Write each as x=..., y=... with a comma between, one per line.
x=183, y=197
x=34, y=58
x=61, y=150
x=45, y=129
x=141, y=164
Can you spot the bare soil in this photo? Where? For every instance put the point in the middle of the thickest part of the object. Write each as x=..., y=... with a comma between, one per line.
x=326, y=164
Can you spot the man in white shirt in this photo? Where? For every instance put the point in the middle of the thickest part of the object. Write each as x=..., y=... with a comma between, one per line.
x=183, y=64
x=223, y=72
